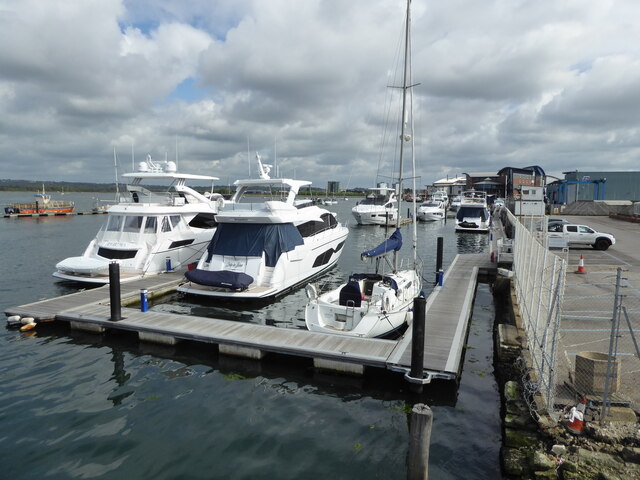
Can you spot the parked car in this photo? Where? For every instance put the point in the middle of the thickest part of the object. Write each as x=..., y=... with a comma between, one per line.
x=580, y=235
x=551, y=220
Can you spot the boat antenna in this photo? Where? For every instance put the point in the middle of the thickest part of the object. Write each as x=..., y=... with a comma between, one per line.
x=275, y=156
x=248, y=157
x=115, y=167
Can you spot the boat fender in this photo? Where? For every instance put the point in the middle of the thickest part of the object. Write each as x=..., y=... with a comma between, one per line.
x=27, y=320
x=27, y=327
x=312, y=291
x=13, y=321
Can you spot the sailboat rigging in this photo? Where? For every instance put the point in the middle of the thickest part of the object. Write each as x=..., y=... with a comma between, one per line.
x=376, y=304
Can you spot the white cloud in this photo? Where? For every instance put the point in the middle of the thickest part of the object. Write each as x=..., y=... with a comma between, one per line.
x=501, y=83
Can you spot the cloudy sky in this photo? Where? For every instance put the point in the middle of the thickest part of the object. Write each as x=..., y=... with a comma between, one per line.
x=554, y=83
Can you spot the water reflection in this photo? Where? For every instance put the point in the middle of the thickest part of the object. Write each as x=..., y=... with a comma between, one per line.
x=472, y=242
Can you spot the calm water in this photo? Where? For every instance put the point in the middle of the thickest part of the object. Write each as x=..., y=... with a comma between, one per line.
x=85, y=406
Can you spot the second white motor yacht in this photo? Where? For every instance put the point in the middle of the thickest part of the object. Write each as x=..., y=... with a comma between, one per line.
x=262, y=250
x=380, y=207
x=473, y=214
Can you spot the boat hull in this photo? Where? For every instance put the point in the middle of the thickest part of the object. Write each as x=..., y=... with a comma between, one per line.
x=313, y=258
x=375, y=217
x=382, y=310
x=33, y=210
x=431, y=216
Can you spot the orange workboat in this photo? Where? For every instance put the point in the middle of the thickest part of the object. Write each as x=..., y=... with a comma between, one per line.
x=42, y=205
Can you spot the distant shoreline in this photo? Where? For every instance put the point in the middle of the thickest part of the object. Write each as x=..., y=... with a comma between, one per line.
x=34, y=186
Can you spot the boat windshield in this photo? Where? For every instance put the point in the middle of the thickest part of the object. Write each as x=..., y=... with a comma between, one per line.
x=472, y=212
x=377, y=200
x=430, y=204
x=134, y=223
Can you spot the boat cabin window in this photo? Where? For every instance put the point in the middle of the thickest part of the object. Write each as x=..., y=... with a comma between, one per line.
x=373, y=201
x=166, y=225
x=329, y=220
x=203, y=220
x=132, y=223
x=151, y=225
x=308, y=229
x=176, y=222
x=114, y=223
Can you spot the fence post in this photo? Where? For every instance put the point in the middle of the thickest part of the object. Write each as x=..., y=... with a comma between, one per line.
x=419, y=441
x=615, y=325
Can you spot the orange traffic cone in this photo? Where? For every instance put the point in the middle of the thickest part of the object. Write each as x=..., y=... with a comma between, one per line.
x=581, y=266
x=575, y=423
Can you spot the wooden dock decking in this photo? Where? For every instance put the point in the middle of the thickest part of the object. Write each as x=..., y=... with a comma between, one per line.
x=448, y=310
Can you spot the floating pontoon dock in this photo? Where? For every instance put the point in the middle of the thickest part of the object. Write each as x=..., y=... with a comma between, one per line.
x=52, y=214
x=448, y=310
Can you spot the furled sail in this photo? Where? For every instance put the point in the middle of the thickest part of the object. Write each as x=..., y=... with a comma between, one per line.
x=394, y=242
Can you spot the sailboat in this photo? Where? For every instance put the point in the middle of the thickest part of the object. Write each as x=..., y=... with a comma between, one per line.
x=375, y=304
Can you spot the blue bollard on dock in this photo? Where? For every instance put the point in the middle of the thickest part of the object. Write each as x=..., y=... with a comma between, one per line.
x=144, y=300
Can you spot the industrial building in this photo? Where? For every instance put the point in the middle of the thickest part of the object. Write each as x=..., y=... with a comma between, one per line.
x=590, y=185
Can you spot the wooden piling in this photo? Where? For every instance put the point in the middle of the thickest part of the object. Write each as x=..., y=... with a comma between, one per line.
x=419, y=442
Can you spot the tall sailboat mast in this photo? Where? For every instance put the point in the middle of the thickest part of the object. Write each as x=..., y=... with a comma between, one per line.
x=405, y=119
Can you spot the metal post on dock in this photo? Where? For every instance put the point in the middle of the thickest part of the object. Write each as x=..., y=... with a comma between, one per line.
x=439, y=253
x=420, y=439
x=114, y=292
x=417, y=343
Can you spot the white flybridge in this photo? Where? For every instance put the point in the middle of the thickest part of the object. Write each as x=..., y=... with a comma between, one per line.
x=149, y=232
x=380, y=207
x=375, y=304
x=262, y=250
x=473, y=214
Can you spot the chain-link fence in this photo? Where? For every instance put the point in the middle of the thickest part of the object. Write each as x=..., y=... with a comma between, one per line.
x=539, y=278
x=598, y=341
x=583, y=331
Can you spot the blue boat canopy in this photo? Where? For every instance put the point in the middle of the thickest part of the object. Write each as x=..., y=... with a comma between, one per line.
x=394, y=242
x=250, y=240
x=222, y=279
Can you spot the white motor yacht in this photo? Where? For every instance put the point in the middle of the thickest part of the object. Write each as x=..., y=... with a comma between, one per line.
x=431, y=211
x=473, y=214
x=149, y=232
x=380, y=207
x=262, y=250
